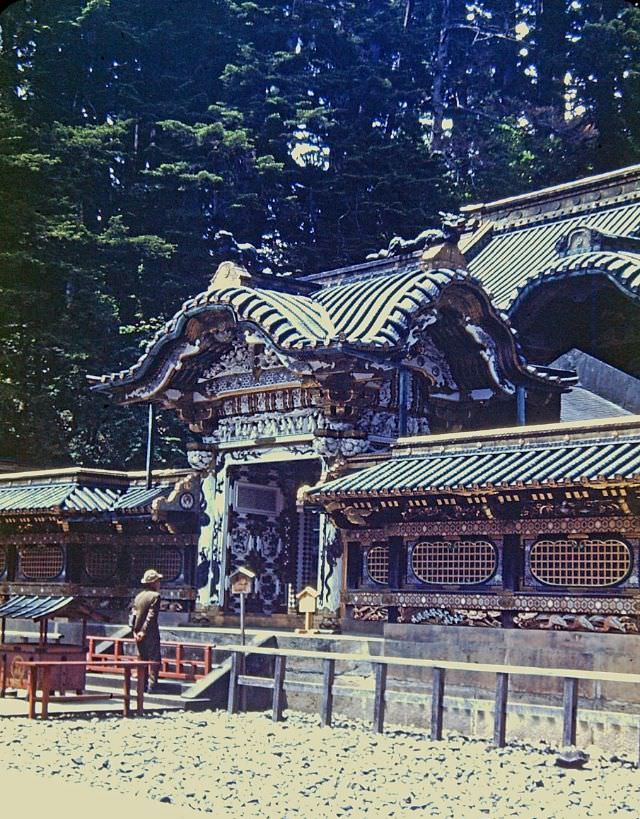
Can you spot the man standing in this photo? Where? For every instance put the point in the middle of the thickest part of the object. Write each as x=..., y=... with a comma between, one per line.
x=146, y=632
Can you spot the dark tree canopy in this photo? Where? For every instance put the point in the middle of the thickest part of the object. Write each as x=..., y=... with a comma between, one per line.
x=134, y=131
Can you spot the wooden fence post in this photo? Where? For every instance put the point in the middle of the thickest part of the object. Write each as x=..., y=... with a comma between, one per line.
x=126, y=692
x=232, y=702
x=378, y=699
x=437, y=702
x=46, y=684
x=33, y=690
x=278, y=688
x=141, y=684
x=500, y=715
x=208, y=653
x=569, y=711
x=328, y=676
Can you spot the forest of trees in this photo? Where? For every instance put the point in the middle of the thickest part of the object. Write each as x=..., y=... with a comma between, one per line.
x=132, y=130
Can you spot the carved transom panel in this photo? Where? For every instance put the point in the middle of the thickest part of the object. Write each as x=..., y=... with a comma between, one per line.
x=377, y=561
x=41, y=562
x=458, y=562
x=588, y=563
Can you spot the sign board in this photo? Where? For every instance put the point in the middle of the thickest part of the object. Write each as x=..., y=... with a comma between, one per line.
x=241, y=581
x=307, y=600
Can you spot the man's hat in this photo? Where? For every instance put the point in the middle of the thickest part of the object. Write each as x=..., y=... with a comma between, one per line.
x=150, y=576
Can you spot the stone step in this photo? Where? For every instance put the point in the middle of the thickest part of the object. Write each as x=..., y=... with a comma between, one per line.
x=115, y=681
x=160, y=699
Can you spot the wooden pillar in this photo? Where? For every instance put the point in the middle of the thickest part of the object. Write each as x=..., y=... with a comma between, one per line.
x=141, y=679
x=396, y=573
x=3, y=688
x=33, y=689
x=380, y=670
x=278, y=688
x=46, y=690
x=569, y=711
x=208, y=659
x=521, y=405
x=126, y=692
x=404, y=377
x=354, y=564
x=328, y=676
x=232, y=701
x=500, y=715
x=437, y=702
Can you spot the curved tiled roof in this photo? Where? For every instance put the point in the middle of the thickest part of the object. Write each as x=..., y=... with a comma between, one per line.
x=485, y=467
x=379, y=311
x=376, y=314
x=623, y=269
x=74, y=497
x=290, y=320
x=511, y=259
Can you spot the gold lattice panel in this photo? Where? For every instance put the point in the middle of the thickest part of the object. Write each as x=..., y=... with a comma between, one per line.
x=378, y=564
x=457, y=562
x=41, y=562
x=589, y=563
x=100, y=563
x=167, y=561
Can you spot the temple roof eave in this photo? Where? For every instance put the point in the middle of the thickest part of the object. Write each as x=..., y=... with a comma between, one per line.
x=379, y=333
x=597, y=454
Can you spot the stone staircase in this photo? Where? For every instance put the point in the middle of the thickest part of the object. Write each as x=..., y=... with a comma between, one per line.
x=168, y=697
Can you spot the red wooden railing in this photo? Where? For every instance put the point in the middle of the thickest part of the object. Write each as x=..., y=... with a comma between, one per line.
x=178, y=661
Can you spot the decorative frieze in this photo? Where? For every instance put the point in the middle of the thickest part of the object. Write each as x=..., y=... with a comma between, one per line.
x=629, y=525
x=372, y=614
x=330, y=447
x=523, y=603
x=450, y=617
x=268, y=425
x=275, y=401
x=99, y=539
x=623, y=624
x=240, y=359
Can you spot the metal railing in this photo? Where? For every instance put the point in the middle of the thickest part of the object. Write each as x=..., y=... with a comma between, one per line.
x=380, y=664
x=177, y=663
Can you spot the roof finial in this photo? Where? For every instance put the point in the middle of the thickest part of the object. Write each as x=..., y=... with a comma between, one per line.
x=229, y=274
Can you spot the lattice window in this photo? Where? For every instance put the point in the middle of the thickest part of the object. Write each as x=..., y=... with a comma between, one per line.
x=589, y=563
x=3, y=560
x=377, y=561
x=101, y=563
x=165, y=560
x=454, y=562
x=41, y=562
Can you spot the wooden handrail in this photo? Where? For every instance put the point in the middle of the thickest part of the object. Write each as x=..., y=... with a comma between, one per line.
x=176, y=667
x=449, y=665
x=380, y=664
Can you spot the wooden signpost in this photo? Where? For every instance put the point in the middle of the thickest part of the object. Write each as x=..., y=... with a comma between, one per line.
x=307, y=604
x=242, y=583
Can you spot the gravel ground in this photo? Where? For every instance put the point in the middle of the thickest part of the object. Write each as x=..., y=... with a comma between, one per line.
x=247, y=766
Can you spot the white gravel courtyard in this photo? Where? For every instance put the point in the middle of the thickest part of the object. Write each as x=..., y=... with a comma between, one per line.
x=247, y=766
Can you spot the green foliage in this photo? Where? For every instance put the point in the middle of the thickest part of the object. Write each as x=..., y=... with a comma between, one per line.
x=131, y=131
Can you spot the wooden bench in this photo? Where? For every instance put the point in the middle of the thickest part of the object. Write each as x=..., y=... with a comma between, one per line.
x=570, y=677
x=140, y=666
